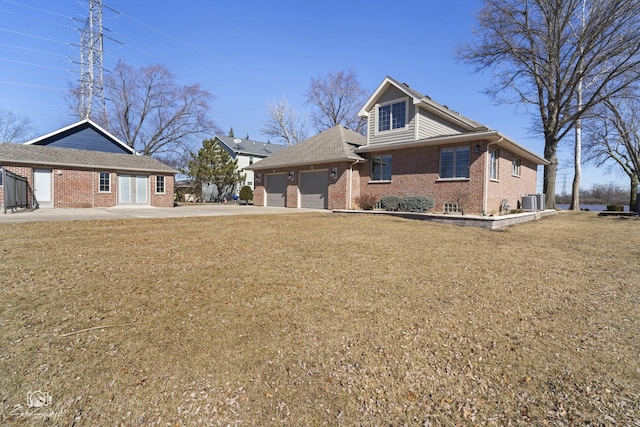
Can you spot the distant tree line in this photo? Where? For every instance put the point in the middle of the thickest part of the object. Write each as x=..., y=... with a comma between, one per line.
x=599, y=194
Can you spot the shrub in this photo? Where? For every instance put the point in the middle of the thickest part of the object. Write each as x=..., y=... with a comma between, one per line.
x=246, y=193
x=366, y=201
x=615, y=208
x=416, y=204
x=390, y=203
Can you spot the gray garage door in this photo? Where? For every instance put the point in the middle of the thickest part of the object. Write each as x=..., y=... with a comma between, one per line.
x=314, y=188
x=276, y=186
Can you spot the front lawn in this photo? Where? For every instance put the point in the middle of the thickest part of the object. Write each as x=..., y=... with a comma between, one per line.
x=314, y=319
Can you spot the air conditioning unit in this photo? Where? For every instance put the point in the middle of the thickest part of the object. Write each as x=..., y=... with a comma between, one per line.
x=529, y=203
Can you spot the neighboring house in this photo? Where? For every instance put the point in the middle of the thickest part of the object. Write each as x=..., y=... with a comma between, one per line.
x=414, y=147
x=83, y=166
x=247, y=152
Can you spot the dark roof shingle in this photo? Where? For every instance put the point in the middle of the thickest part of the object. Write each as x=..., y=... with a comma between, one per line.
x=332, y=145
x=65, y=157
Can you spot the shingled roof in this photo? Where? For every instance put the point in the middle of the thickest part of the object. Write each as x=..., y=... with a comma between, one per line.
x=336, y=144
x=249, y=147
x=424, y=101
x=66, y=157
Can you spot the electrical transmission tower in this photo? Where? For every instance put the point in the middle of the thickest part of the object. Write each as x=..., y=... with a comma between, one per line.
x=92, y=101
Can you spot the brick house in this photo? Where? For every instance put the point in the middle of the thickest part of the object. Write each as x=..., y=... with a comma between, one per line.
x=414, y=147
x=83, y=166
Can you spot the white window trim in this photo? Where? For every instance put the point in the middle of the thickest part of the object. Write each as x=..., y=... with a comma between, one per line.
x=497, y=164
x=456, y=178
x=380, y=181
x=164, y=184
x=406, y=116
x=103, y=191
x=519, y=174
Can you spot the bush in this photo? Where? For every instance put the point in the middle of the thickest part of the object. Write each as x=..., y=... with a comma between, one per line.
x=615, y=208
x=416, y=204
x=367, y=201
x=246, y=193
x=390, y=203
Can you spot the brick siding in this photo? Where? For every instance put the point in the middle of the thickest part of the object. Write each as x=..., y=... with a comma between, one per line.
x=79, y=188
x=415, y=172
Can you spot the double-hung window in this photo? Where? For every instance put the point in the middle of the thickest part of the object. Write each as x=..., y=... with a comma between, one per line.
x=160, y=184
x=515, y=167
x=493, y=164
x=392, y=116
x=454, y=163
x=381, y=168
x=104, y=184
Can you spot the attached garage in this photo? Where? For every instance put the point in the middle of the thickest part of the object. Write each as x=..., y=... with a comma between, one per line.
x=276, y=188
x=314, y=189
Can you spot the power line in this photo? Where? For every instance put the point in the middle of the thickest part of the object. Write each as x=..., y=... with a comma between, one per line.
x=32, y=85
x=41, y=52
x=35, y=8
x=33, y=36
x=34, y=65
x=37, y=19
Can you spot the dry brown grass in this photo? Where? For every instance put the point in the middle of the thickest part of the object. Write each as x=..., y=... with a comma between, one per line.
x=321, y=319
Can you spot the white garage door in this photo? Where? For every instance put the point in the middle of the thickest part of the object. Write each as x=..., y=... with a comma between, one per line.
x=314, y=189
x=276, y=186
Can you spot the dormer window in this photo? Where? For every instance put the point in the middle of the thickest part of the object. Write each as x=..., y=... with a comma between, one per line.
x=392, y=115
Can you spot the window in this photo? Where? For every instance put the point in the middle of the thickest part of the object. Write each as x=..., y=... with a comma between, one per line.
x=250, y=160
x=392, y=116
x=381, y=168
x=160, y=184
x=104, y=185
x=454, y=163
x=1, y=177
x=515, y=167
x=451, y=208
x=493, y=164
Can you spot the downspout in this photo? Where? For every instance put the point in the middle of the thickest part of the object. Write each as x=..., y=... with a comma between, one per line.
x=486, y=176
x=351, y=182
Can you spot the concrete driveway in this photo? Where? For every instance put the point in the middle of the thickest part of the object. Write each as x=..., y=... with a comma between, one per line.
x=122, y=212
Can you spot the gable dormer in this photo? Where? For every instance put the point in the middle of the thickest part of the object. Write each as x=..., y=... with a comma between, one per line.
x=396, y=113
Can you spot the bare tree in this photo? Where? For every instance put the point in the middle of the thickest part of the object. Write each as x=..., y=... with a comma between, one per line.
x=284, y=124
x=531, y=45
x=15, y=127
x=613, y=139
x=150, y=111
x=336, y=99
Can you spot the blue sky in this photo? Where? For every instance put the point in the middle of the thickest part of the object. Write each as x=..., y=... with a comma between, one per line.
x=250, y=53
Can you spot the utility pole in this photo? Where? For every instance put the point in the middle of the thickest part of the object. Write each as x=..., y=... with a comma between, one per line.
x=92, y=102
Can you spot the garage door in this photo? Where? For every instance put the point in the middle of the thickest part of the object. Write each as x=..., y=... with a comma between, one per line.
x=314, y=188
x=276, y=186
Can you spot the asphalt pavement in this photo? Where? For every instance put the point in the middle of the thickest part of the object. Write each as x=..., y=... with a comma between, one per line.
x=124, y=212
